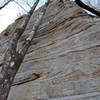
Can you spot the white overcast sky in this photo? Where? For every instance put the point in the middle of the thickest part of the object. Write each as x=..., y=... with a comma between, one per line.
x=12, y=11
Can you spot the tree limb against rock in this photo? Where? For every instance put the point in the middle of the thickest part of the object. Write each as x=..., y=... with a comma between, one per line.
x=13, y=58
x=84, y=6
x=29, y=39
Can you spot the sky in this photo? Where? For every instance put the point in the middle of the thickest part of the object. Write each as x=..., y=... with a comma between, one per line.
x=12, y=11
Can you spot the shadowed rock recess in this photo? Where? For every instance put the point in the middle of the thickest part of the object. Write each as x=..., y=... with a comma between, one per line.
x=63, y=62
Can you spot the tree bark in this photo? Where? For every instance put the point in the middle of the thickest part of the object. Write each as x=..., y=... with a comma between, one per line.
x=36, y=24
x=84, y=6
x=61, y=1
x=12, y=60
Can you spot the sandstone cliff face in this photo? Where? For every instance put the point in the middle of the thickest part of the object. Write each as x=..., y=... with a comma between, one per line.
x=63, y=62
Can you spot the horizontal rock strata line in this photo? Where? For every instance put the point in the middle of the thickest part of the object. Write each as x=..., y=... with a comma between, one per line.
x=74, y=97
x=26, y=78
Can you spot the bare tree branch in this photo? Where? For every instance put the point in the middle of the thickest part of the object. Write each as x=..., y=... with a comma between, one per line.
x=6, y=3
x=94, y=6
x=81, y=4
x=27, y=3
x=20, y=6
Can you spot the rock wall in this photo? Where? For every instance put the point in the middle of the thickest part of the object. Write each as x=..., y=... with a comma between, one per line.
x=63, y=62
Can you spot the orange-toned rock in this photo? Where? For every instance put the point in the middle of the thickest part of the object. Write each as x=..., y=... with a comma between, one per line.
x=65, y=53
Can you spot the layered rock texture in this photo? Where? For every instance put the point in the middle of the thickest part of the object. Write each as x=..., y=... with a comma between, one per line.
x=63, y=62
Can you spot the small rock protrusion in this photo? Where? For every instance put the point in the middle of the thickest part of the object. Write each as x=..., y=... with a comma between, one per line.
x=1, y=62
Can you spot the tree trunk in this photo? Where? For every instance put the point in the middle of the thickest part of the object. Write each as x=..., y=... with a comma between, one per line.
x=13, y=59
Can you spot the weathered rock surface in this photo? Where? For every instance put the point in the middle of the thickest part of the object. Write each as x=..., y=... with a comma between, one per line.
x=63, y=62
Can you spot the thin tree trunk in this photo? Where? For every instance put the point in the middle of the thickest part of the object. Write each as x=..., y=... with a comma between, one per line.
x=36, y=24
x=12, y=60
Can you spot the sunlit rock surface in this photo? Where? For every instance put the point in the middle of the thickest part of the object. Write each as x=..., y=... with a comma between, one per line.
x=63, y=62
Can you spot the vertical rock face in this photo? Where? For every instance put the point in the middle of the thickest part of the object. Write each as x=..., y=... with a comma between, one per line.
x=63, y=62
